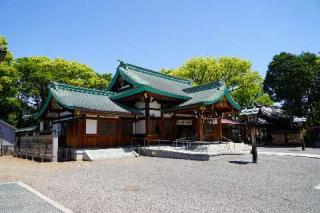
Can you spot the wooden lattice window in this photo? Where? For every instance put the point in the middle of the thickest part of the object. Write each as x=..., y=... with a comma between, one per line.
x=108, y=127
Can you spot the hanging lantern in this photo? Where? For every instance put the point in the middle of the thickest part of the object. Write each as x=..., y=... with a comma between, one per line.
x=77, y=112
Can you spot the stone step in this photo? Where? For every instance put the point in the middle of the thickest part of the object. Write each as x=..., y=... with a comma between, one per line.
x=101, y=154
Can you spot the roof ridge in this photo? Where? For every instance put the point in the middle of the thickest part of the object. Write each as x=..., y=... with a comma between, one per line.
x=69, y=87
x=213, y=85
x=154, y=73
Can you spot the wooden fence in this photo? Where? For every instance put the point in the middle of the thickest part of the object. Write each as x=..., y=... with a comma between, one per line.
x=6, y=150
x=43, y=147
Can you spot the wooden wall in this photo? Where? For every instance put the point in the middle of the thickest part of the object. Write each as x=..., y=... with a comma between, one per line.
x=212, y=136
x=77, y=137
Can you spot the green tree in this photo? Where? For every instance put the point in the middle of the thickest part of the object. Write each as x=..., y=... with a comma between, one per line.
x=289, y=80
x=24, y=81
x=9, y=105
x=313, y=109
x=105, y=76
x=37, y=72
x=237, y=73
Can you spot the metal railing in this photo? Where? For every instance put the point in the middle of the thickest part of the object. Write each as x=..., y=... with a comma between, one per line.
x=188, y=144
x=181, y=143
x=159, y=142
x=228, y=142
x=136, y=141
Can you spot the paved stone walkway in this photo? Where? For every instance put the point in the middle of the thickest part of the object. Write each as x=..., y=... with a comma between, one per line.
x=19, y=197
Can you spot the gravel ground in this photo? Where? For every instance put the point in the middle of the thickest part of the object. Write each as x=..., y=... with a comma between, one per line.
x=223, y=184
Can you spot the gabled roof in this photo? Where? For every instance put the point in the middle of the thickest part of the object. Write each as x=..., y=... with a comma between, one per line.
x=142, y=80
x=9, y=125
x=73, y=97
x=145, y=80
x=209, y=94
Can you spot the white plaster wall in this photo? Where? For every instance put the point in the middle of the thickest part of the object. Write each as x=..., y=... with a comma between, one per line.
x=91, y=126
x=167, y=115
x=140, y=127
x=65, y=113
x=155, y=113
x=56, y=127
x=140, y=105
x=41, y=128
x=155, y=105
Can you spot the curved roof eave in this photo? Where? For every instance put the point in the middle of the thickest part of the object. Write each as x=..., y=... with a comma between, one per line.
x=229, y=98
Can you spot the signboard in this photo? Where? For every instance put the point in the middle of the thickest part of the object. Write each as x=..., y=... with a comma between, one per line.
x=184, y=122
x=299, y=119
x=212, y=120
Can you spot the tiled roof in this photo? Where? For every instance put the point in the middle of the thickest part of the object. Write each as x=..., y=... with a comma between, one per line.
x=12, y=127
x=77, y=97
x=206, y=93
x=143, y=80
x=72, y=97
x=152, y=81
x=209, y=94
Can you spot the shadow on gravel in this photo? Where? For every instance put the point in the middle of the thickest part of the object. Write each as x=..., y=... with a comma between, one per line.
x=239, y=162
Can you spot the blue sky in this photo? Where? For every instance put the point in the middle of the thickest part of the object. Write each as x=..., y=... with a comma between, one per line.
x=159, y=34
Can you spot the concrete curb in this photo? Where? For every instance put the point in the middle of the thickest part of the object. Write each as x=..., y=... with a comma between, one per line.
x=291, y=154
x=186, y=155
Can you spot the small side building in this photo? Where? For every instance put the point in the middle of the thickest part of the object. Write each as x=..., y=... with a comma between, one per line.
x=268, y=125
x=7, y=134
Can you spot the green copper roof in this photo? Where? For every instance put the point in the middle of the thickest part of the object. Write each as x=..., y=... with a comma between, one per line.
x=150, y=81
x=145, y=80
x=142, y=80
x=207, y=95
x=72, y=97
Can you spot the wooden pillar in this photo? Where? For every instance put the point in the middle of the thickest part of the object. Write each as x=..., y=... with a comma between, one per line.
x=220, y=136
x=253, y=134
x=161, y=127
x=174, y=125
x=200, y=128
x=147, y=113
x=119, y=131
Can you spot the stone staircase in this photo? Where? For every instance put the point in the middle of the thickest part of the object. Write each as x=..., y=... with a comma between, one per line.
x=111, y=153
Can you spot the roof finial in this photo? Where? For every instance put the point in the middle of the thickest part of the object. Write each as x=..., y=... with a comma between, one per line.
x=121, y=62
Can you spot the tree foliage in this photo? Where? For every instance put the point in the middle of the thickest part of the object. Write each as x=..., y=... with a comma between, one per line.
x=24, y=81
x=38, y=72
x=9, y=104
x=237, y=73
x=291, y=79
